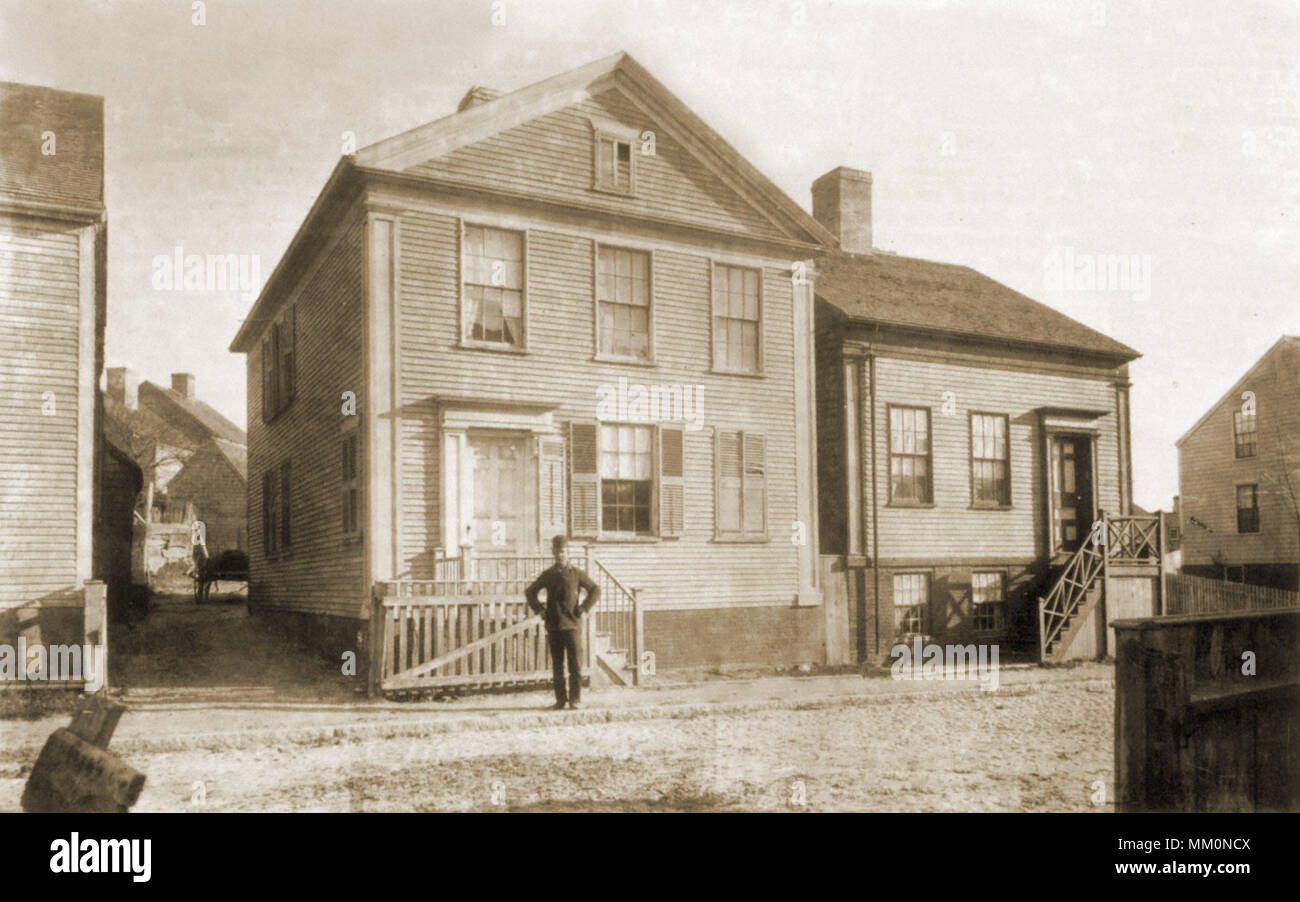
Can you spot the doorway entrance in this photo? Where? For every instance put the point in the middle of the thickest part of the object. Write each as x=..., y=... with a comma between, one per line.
x=1072, y=490
x=505, y=493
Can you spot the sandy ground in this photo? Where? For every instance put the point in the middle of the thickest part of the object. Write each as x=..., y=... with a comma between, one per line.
x=224, y=718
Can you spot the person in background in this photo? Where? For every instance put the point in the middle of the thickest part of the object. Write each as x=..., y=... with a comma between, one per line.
x=199, y=539
x=563, y=612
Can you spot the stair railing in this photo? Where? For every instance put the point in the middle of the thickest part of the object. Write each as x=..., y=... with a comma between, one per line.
x=619, y=615
x=1070, y=588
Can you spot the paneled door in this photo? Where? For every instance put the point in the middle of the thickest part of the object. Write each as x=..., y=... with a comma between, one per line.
x=505, y=493
x=1072, y=490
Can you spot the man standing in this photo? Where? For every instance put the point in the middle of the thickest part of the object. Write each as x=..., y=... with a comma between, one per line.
x=563, y=613
x=199, y=552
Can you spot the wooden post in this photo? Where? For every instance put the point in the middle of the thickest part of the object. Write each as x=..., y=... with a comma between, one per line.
x=95, y=626
x=375, y=643
x=1162, y=550
x=638, y=636
x=1102, y=617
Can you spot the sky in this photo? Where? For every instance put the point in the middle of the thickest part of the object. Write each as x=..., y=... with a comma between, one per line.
x=1025, y=139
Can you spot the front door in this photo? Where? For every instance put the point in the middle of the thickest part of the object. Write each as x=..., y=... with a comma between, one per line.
x=505, y=494
x=1072, y=505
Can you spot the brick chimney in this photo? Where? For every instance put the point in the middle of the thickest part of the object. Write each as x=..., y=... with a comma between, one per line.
x=123, y=386
x=475, y=96
x=842, y=202
x=183, y=385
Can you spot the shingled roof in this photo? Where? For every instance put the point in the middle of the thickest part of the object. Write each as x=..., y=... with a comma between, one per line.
x=956, y=300
x=195, y=418
x=71, y=176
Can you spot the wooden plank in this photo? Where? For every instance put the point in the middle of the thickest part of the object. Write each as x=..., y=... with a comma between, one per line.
x=96, y=720
x=72, y=775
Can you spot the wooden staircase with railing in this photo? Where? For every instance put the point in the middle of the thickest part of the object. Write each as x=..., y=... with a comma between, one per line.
x=1079, y=589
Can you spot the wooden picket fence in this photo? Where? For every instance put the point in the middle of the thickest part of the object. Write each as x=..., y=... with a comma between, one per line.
x=1198, y=595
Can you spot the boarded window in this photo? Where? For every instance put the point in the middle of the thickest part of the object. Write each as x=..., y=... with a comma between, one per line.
x=350, y=500
x=623, y=302
x=270, y=513
x=989, y=463
x=284, y=506
x=1248, y=508
x=911, y=597
x=909, y=456
x=736, y=319
x=989, y=596
x=494, y=286
x=741, y=484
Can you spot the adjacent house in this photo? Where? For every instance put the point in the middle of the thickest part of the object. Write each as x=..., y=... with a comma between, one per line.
x=1239, y=477
x=52, y=309
x=572, y=309
x=969, y=438
x=193, y=460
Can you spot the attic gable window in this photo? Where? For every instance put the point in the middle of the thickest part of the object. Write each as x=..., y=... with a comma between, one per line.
x=1243, y=433
x=613, y=163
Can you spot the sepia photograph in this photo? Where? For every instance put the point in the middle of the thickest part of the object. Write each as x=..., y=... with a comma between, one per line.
x=877, y=407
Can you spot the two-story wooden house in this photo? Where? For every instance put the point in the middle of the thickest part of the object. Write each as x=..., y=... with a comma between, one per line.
x=52, y=310
x=1239, y=477
x=568, y=309
x=969, y=438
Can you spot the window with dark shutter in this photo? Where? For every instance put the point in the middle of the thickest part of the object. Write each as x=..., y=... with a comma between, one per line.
x=350, y=498
x=270, y=517
x=741, y=484
x=284, y=506
x=672, y=484
x=584, y=480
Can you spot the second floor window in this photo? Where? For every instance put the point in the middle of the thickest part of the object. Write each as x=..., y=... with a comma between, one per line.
x=909, y=456
x=279, y=364
x=736, y=319
x=989, y=478
x=1247, y=508
x=623, y=302
x=1243, y=433
x=493, y=286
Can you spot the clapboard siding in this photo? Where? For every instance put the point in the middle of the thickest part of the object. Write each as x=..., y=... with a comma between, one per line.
x=552, y=157
x=322, y=572
x=1209, y=471
x=558, y=369
x=39, y=352
x=951, y=529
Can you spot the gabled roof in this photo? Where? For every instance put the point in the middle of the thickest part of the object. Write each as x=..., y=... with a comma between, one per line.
x=235, y=453
x=136, y=431
x=488, y=115
x=954, y=300
x=72, y=176
x=190, y=415
x=1286, y=341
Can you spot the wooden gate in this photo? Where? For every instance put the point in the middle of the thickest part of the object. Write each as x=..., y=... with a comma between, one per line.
x=470, y=627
